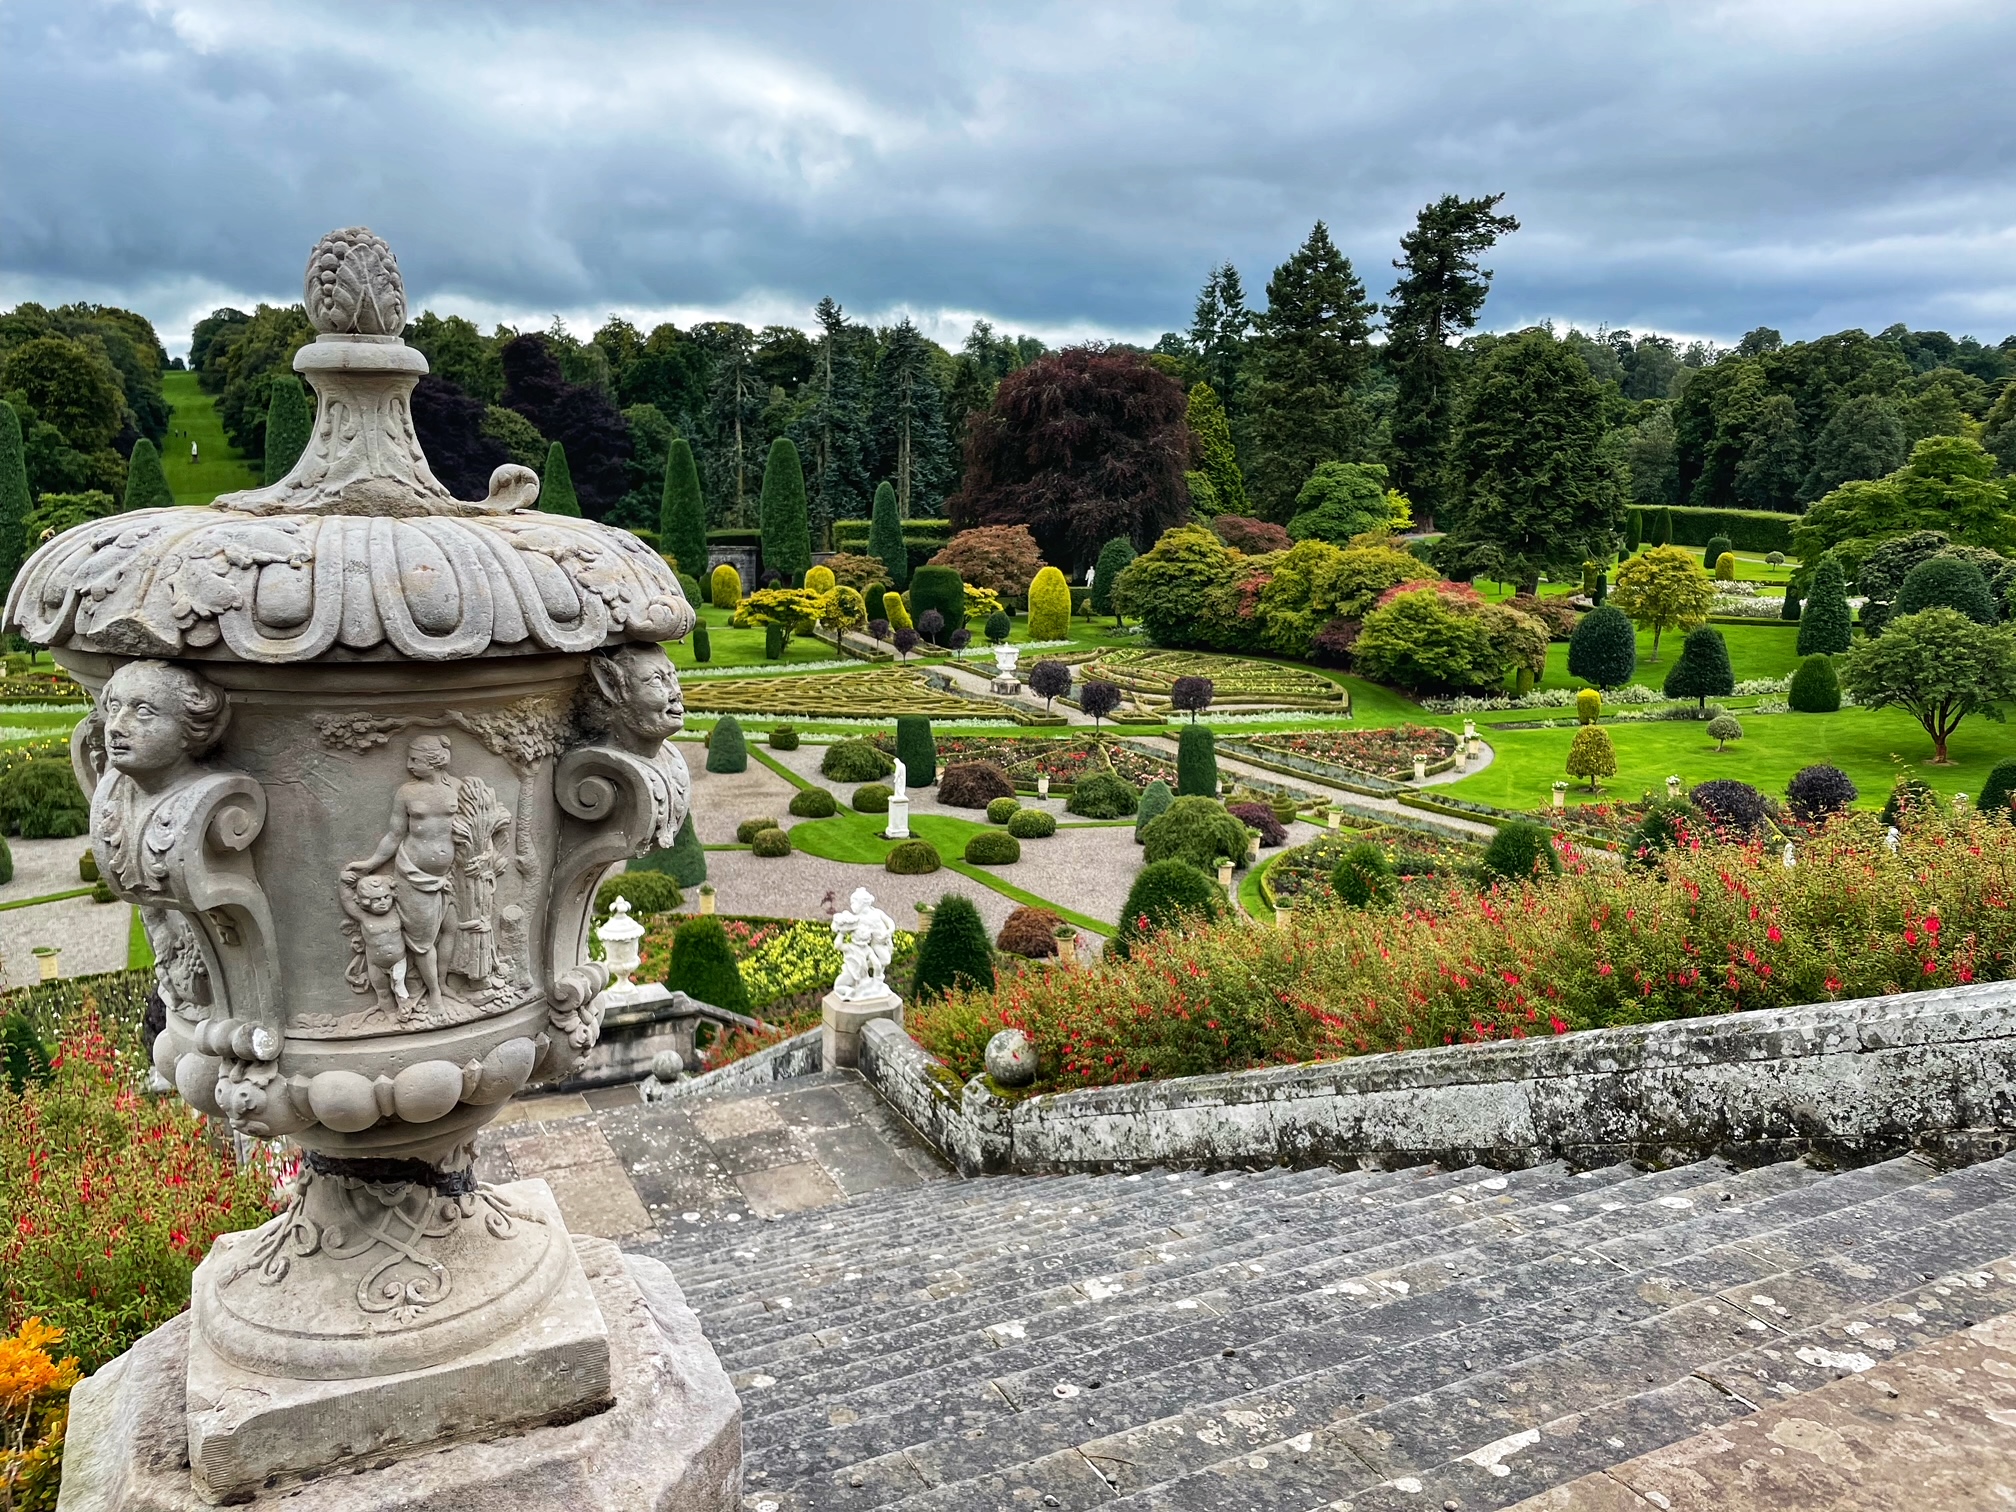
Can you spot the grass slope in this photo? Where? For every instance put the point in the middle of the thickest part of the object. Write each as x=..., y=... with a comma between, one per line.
x=193, y=417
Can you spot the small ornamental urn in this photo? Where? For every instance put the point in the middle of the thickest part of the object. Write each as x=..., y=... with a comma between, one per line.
x=361, y=753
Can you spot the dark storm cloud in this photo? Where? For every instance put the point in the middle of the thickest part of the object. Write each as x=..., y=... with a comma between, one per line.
x=1700, y=168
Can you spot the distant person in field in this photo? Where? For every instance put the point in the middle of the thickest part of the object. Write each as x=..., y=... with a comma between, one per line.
x=194, y=456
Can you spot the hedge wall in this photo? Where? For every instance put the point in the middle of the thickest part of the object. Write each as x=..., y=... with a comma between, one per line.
x=1760, y=530
x=923, y=538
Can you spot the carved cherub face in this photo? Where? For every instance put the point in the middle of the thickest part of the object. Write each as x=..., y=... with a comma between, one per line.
x=642, y=691
x=157, y=717
x=862, y=901
x=374, y=895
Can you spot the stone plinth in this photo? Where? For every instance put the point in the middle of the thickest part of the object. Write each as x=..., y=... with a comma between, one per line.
x=842, y=1021
x=899, y=818
x=1006, y=686
x=672, y=1439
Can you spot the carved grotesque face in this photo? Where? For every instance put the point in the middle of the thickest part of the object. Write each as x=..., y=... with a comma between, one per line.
x=156, y=716
x=374, y=895
x=643, y=693
x=426, y=755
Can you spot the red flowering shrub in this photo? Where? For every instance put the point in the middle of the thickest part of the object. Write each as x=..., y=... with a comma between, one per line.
x=1712, y=927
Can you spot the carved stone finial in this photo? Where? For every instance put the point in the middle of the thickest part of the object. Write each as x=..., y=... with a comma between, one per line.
x=353, y=286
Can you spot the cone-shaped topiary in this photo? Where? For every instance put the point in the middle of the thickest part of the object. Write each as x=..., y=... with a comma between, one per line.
x=15, y=499
x=1713, y=552
x=726, y=752
x=556, y=485
x=703, y=965
x=1102, y=796
x=1155, y=801
x=7, y=863
x=993, y=848
x=1816, y=686
x=146, y=483
x=885, y=538
x=24, y=1062
x=1113, y=559
x=955, y=951
x=998, y=627
x=918, y=750
x=703, y=644
x=1592, y=755
x=1518, y=849
x=1197, y=830
x=1948, y=583
x=1664, y=534
x=1999, y=789
x=1634, y=530
x=1165, y=894
x=1604, y=648
x=1824, y=624
x=288, y=423
x=685, y=861
x=1364, y=877
x=913, y=858
x=1049, y=606
x=682, y=514
x=787, y=536
x=895, y=608
x=724, y=587
x=1703, y=671
x=1789, y=610
x=1196, y=762
x=938, y=588
x=773, y=642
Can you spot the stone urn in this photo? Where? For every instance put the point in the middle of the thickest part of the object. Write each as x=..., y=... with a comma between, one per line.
x=362, y=752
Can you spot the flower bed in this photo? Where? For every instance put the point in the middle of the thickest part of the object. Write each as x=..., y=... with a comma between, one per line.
x=42, y=687
x=778, y=958
x=1147, y=675
x=1387, y=753
x=1064, y=761
x=877, y=691
x=1422, y=864
x=1717, y=928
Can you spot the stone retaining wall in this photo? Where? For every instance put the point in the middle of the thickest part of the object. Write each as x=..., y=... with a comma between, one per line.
x=796, y=1056
x=1933, y=1071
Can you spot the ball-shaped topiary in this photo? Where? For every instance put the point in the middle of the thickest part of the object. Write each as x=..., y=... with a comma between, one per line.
x=703, y=965
x=1733, y=806
x=1030, y=933
x=1260, y=818
x=955, y=951
x=1817, y=791
x=1048, y=680
x=919, y=752
x=1155, y=801
x=1363, y=877
x=1724, y=728
x=1001, y=810
x=1816, y=686
x=1102, y=796
x=854, y=761
x=993, y=848
x=647, y=893
x=1192, y=695
x=1718, y=547
x=1196, y=762
x=724, y=587
x=932, y=624
x=1911, y=797
x=939, y=588
x=1588, y=706
x=1100, y=699
x=770, y=842
x=1948, y=583
x=998, y=627
x=973, y=785
x=872, y=798
x=912, y=858
x=1032, y=824
x=1049, y=606
x=813, y=803
x=1519, y=850
x=726, y=750
x=784, y=738
x=1197, y=830
x=819, y=579
x=1998, y=791
x=749, y=829
x=1165, y=895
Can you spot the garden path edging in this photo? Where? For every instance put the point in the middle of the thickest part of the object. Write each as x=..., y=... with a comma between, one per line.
x=1933, y=1072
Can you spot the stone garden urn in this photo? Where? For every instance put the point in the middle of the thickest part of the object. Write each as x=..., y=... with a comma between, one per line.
x=361, y=752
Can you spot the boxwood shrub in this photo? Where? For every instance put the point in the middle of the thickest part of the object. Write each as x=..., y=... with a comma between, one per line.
x=993, y=848
x=1103, y=796
x=749, y=829
x=647, y=892
x=784, y=738
x=1164, y=894
x=872, y=798
x=771, y=842
x=1032, y=824
x=1197, y=830
x=813, y=803
x=1001, y=810
x=913, y=858
x=726, y=751
x=854, y=761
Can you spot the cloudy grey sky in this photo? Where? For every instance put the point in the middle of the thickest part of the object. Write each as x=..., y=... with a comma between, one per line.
x=1062, y=168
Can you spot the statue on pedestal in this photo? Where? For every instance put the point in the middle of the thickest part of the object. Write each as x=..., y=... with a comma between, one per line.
x=867, y=940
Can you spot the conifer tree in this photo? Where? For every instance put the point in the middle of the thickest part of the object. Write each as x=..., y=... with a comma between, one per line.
x=885, y=537
x=288, y=421
x=1703, y=671
x=15, y=500
x=146, y=483
x=1220, y=462
x=1300, y=402
x=787, y=535
x=908, y=422
x=682, y=514
x=955, y=950
x=1824, y=623
x=556, y=487
x=1221, y=331
x=1113, y=559
x=833, y=433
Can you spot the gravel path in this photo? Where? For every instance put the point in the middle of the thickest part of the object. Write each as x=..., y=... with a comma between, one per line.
x=42, y=867
x=92, y=937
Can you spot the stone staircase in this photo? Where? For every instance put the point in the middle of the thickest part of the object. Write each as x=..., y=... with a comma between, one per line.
x=1320, y=1338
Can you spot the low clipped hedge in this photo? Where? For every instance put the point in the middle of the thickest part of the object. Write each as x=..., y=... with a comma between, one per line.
x=854, y=761
x=913, y=858
x=1032, y=824
x=1758, y=530
x=1001, y=810
x=872, y=798
x=813, y=803
x=771, y=842
x=749, y=829
x=994, y=848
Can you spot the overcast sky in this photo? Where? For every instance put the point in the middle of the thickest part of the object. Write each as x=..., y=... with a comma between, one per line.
x=1066, y=169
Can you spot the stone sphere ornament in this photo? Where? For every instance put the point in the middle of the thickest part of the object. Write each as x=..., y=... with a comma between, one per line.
x=361, y=752
x=1011, y=1059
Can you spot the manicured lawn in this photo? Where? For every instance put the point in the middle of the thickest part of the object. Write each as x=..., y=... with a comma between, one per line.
x=1768, y=648
x=744, y=647
x=194, y=418
x=1861, y=742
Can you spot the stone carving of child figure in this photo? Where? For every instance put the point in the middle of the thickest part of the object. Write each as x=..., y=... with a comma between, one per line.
x=420, y=844
x=379, y=965
x=158, y=719
x=867, y=939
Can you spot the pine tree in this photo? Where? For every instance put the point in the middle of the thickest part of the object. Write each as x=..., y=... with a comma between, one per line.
x=734, y=416
x=885, y=537
x=1221, y=463
x=146, y=483
x=1438, y=296
x=833, y=432
x=556, y=485
x=15, y=500
x=1113, y=559
x=1824, y=623
x=682, y=514
x=1221, y=331
x=1299, y=401
x=288, y=423
x=908, y=422
x=787, y=536
x=1703, y=671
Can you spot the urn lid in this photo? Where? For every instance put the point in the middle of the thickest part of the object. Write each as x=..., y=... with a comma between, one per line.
x=359, y=550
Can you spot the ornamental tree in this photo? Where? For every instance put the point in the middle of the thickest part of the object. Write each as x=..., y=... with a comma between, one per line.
x=1724, y=728
x=932, y=623
x=1592, y=755
x=1191, y=695
x=1099, y=699
x=1604, y=648
x=1421, y=641
x=905, y=641
x=1666, y=589
x=1703, y=671
x=1167, y=586
x=1824, y=624
x=1001, y=557
x=1940, y=666
x=1048, y=680
x=1817, y=791
x=1049, y=606
x=1346, y=499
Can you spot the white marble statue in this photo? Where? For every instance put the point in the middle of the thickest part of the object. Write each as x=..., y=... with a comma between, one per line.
x=900, y=787
x=867, y=939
